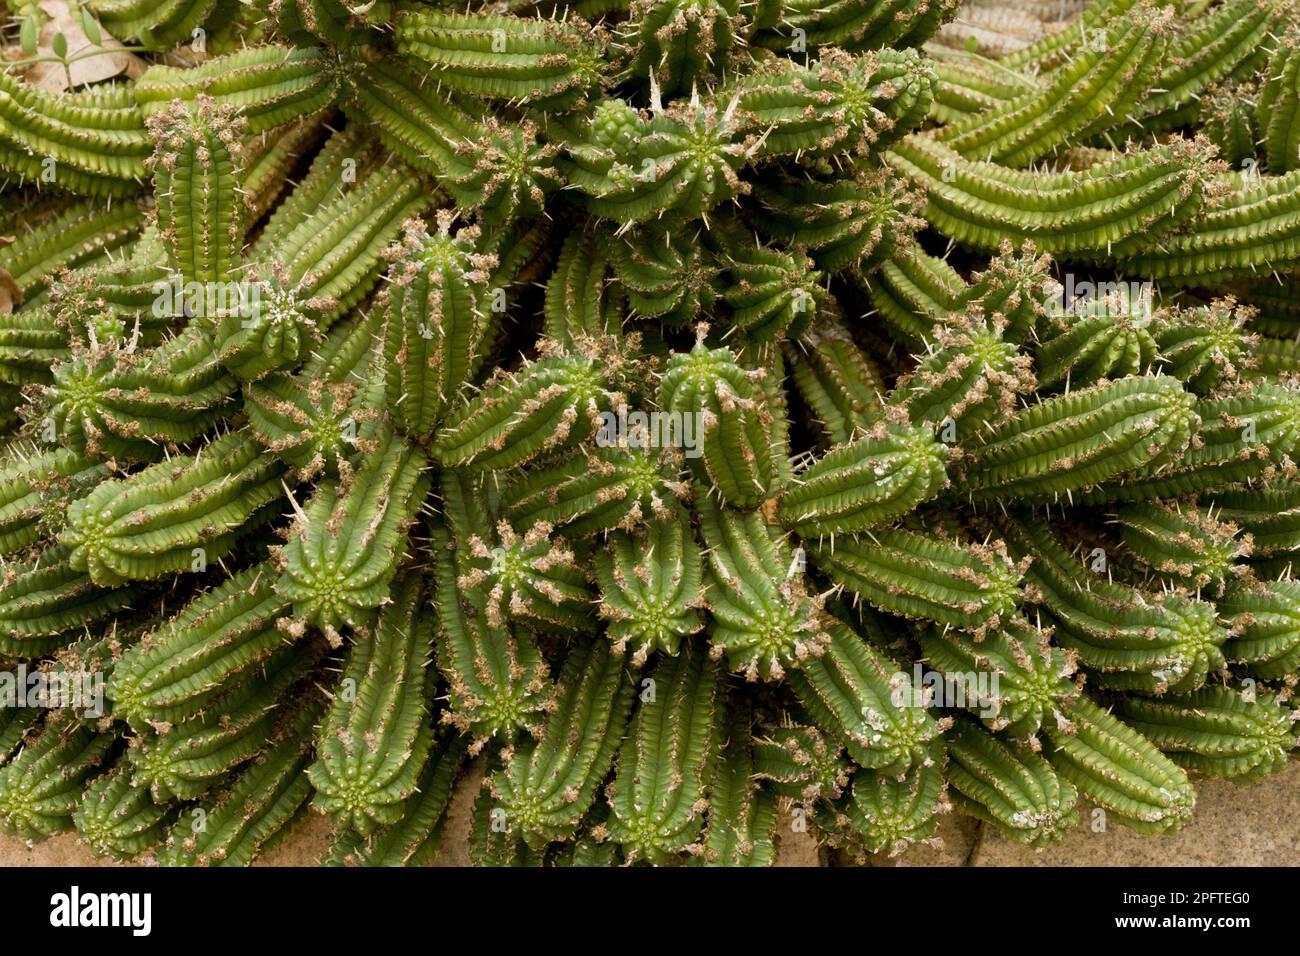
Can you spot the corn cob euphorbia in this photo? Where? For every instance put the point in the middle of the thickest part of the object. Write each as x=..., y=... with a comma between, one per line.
x=702, y=413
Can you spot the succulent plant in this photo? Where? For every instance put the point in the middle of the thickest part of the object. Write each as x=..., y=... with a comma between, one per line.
x=687, y=409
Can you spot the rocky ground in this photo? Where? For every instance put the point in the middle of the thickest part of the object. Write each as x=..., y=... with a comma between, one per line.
x=1234, y=826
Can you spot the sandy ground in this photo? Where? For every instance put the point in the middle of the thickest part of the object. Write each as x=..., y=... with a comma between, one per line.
x=1234, y=826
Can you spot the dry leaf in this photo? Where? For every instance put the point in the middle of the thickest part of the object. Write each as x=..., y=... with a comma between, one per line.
x=10, y=294
x=53, y=77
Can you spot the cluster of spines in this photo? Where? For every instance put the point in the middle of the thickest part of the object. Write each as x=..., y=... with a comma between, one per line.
x=549, y=405
x=177, y=671
x=497, y=678
x=185, y=759
x=763, y=616
x=1126, y=639
x=866, y=703
x=1012, y=787
x=173, y=514
x=657, y=798
x=547, y=63
x=378, y=732
x=260, y=804
x=1034, y=678
x=1119, y=770
x=344, y=549
x=925, y=577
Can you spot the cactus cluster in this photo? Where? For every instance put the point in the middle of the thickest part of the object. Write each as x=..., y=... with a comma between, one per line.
x=709, y=420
